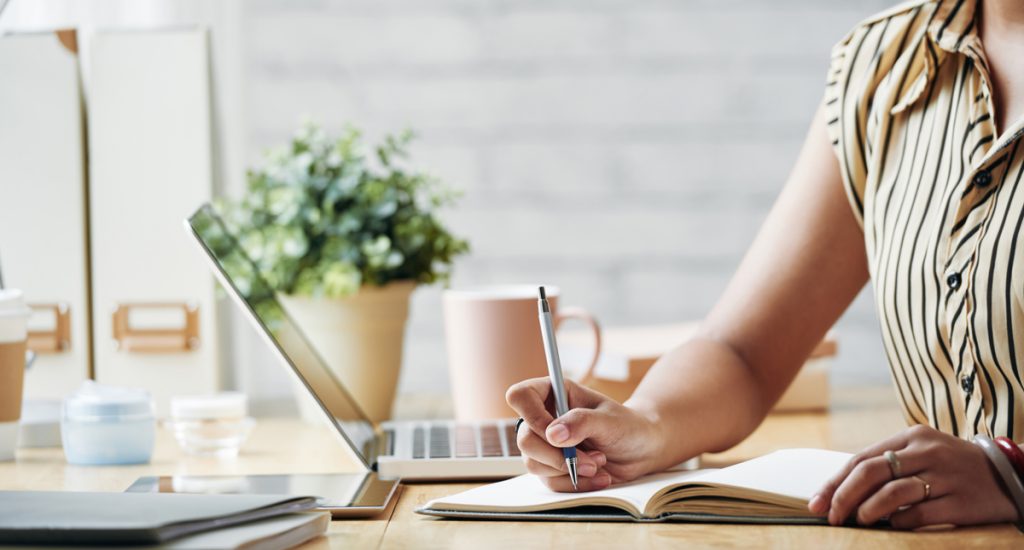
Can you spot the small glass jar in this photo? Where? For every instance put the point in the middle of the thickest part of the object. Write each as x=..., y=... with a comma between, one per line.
x=103, y=425
x=211, y=425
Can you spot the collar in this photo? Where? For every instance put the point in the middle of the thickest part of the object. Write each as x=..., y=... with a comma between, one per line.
x=953, y=24
x=951, y=30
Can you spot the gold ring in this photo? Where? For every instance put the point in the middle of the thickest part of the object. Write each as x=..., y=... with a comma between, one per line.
x=927, y=488
x=894, y=464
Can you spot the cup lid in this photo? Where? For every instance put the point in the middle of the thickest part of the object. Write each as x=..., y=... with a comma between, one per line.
x=92, y=399
x=12, y=303
x=209, y=407
x=500, y=292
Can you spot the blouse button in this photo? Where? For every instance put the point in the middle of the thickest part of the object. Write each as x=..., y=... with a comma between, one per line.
x=953, y=280
x=967, y=384
x=983, y=178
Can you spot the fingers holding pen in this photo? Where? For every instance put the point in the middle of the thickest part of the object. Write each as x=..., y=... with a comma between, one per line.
x=529, y=399
x=537, y=449
x=562, y=484
x=540, y=469
x=573, y=428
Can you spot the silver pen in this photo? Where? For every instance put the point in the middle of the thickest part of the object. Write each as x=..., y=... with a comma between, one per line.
x=547, y=331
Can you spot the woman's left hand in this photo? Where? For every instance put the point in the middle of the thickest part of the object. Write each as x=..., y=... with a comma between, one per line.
x=964, y=488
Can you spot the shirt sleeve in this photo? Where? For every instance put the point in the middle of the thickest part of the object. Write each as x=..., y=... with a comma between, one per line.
x=864, y=66
x=846, y=116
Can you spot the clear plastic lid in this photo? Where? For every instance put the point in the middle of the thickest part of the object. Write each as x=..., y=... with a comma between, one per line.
x=209, y=407
x=12, y=304
x=97, y=400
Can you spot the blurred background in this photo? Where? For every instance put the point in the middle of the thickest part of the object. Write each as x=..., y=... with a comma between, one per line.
x=625, y=150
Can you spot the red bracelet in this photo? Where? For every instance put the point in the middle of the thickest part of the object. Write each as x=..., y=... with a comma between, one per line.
x=1012, y=452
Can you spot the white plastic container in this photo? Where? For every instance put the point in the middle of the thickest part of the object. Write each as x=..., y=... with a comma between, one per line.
x=212, y=425
x=108, y=425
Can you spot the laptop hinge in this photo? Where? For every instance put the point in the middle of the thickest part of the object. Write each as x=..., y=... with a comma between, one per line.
x=378, y=446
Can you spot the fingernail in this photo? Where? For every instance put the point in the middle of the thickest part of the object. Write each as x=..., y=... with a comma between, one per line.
x=558, y=433
x=600, y=458
x=602, y=480
x=587, y=470
x=815, y=504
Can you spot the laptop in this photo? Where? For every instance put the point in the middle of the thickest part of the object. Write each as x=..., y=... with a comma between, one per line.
x=406, y=450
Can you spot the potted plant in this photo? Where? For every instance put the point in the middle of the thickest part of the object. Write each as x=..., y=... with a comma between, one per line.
x=343, y=235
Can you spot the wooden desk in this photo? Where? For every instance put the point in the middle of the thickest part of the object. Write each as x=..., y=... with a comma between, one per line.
x=859, y=417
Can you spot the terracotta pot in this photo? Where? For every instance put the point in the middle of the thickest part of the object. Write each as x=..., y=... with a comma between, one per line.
x=360, y=337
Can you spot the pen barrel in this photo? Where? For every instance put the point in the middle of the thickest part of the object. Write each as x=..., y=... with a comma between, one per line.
x=568, y=452
x=547, y=331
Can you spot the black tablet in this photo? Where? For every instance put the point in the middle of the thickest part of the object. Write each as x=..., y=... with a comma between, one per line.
x=343, y=495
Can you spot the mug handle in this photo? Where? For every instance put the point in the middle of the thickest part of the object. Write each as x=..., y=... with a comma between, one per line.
x=579, y=313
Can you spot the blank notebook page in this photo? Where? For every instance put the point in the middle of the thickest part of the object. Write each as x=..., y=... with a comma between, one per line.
x=528, y=491
x=796, y=473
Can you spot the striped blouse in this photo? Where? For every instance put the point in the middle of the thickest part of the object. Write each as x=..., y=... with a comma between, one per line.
x=937, y=189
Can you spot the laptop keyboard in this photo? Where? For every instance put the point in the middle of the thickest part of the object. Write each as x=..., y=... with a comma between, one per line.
x=440, y=446
x=389, y=441
x=465, y=441
x=419, y=439
x=471, y=441
x=490, y=441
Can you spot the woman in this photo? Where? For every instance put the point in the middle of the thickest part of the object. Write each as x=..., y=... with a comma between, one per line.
x=910, y=176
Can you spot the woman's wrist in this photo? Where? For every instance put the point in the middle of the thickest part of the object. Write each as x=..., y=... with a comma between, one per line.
x=654, y=425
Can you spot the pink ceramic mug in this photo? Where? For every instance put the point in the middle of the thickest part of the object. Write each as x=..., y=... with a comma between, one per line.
x=493, y=340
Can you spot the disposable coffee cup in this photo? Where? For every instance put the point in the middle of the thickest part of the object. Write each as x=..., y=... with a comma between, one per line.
x=14, y=316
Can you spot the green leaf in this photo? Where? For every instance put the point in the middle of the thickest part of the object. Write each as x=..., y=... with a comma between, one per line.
x=341, y=279
x=321, y=218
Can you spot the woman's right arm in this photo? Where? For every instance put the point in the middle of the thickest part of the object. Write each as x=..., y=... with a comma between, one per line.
x=804, y=268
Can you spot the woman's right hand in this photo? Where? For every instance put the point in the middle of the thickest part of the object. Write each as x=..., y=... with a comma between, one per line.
x=615, y=443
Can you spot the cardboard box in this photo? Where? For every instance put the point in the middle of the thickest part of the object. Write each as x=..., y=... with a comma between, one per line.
x=627, y=353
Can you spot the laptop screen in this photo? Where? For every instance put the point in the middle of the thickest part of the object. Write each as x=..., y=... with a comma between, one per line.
x=242, y=280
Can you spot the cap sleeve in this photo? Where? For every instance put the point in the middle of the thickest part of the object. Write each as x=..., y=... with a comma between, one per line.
x=846, y=116
x=865, y=66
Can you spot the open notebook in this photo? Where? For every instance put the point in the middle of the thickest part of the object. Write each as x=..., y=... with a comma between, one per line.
x=773, y=488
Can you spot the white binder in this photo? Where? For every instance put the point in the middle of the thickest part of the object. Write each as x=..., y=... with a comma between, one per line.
x=42, y=203
x=151, y=165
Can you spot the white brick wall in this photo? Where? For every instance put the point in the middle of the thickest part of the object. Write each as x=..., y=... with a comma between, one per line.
x=626, y=150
